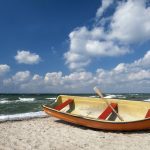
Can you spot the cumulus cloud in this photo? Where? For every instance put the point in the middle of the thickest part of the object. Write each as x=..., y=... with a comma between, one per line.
x=124, y=77
x=139, y=75
x=21, y=76
x=36, y=77
x=16, y=81
x=104, y=48
x=143, y=62
x=129, y=24
x=104, y=6
x=53, y=78
x=86, y=44
x=23, y=81
x=26, y=57
x=120, y=68
x=4, y=68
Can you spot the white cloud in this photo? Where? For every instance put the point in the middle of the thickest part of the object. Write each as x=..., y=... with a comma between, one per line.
x=53, y=78
x=7, y=82
x=131, y=22
x=79, y=76
x=128, y=77
x=104, y=6
x=4, y=68
x=120, y=68
x=76, y=61
x=15, y=83
x=74, y=82
x=105, y=48
x=86, y=44
x=21, y=76
x=36, y=77
x=124, y=77
x=143, y=62
x=26, y=57
x=50, y=82
x=140, y=75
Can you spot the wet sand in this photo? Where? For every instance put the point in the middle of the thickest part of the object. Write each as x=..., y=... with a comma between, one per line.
x=54, y=134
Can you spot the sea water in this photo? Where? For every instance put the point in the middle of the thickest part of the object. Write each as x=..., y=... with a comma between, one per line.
x=25, y=106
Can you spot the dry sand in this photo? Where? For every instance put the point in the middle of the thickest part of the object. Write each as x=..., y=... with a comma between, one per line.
x=53, y=134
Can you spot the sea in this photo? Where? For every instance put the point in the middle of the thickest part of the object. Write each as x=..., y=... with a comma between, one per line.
x=26, y=106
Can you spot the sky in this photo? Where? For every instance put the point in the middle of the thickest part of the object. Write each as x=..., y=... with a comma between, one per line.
x=53, y=46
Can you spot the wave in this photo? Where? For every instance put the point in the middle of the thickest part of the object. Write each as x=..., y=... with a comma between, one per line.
x=147, y=100
x=26, y=99
x=114, y=96
x=93, y=96
x=23, y=116
x=110, y=96
x=5, y=102
x=52, y=98
x=134, y=94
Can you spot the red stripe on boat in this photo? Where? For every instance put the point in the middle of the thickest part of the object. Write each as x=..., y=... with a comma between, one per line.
x=148, y=114
x=64, y=104
x=107, y=111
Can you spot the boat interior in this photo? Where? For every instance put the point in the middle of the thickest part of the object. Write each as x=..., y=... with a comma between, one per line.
x=96, y=108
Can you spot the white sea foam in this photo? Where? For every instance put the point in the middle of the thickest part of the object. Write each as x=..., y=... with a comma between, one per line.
x=5, y=102
x=23, y=116
x=114, y=96
x=110, y=96
x=147, y=100
x=93, y=96
x=26, y=99
x=51, y=98
x=134, y=94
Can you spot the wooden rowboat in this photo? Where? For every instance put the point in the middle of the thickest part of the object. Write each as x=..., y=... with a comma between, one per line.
x=94, y=113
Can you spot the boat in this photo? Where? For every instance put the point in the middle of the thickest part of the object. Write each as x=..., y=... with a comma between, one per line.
x=96, y=113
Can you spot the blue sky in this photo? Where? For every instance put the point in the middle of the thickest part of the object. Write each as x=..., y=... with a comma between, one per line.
x=71, y=46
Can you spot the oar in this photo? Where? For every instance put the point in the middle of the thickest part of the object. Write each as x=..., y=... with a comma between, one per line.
x=99, y=93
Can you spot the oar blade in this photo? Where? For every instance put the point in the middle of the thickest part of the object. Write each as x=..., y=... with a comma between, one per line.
x=98, y=92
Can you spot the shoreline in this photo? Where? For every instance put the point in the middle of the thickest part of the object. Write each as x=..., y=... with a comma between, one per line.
x=54, y=134
x=23, y=116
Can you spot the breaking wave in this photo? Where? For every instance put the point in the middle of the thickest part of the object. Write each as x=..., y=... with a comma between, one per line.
x=26, y=99
x=3, y=101
x=52, y=98
x=147, y=100
x=6, y=101
x=115, y=96
x=23, y=116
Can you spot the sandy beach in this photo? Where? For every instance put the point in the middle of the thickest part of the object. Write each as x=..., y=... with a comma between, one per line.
x=54, y=134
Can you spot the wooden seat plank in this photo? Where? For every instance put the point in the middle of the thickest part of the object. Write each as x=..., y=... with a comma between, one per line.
x=107, y=111
x=64, y=104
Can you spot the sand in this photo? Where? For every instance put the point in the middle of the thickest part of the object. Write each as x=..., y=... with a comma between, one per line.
x=53, y=134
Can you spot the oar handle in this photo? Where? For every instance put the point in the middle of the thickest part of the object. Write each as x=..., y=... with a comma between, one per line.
x=99, y=93
x=116, y=113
